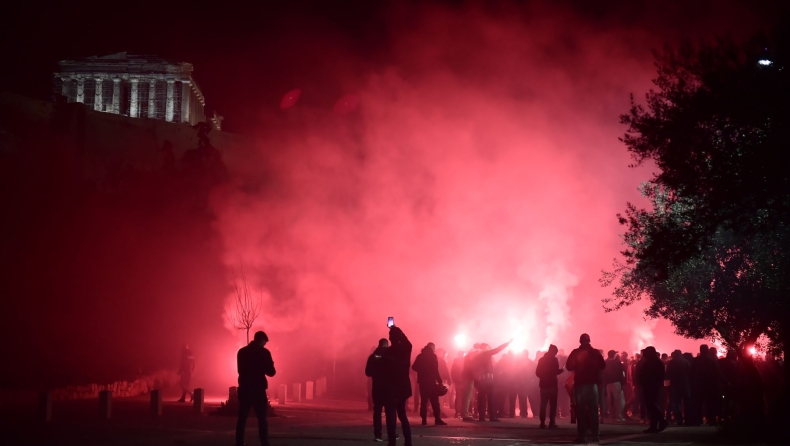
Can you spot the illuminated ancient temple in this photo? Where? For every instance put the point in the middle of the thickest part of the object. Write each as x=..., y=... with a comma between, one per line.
x=134, y=86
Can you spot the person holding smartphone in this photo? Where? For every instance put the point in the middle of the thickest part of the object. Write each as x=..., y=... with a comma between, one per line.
x=397, y=360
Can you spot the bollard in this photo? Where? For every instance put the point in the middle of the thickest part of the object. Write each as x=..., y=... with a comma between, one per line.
x=296, y=395
x=308, y=387
x=156, y=403
x=105, y=404
x=282, y=390
x=199, y=405
x=45, y=406
x=320, y=387
x=233, y=394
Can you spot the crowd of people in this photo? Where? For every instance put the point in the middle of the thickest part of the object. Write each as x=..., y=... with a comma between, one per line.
x=588, y=386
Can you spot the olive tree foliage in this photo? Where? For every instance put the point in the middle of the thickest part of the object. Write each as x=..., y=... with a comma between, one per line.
x=712, y=254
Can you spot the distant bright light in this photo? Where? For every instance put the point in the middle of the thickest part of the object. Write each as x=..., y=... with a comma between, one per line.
x=765, y=62
x=460, y=340
x=752, y=351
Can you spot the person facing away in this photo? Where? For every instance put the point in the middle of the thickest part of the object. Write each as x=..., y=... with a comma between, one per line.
x=547, y=370
x=678, y=372
x=468, y=382
x=376, y=370
x=484, y=380
x=428, y=377
x=254, y=364
x=587, y=364
x=705, y=381
x=456, y=374
x=613, y=379
x=651, y=380
x=397, y=359
x=185, y=369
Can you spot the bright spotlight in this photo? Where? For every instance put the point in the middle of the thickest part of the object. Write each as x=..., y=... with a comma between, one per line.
x=765, y=62
x=752, y=351
x=460, y=340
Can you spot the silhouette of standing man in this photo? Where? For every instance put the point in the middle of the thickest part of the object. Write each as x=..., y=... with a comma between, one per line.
x=397, y=359
x=185, y=369
x=255, y=364
x=588, y=363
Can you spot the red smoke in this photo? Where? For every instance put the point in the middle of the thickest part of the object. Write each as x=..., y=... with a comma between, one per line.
x=472, y=192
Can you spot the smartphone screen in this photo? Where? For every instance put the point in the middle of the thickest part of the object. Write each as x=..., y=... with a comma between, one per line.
x=390, y=321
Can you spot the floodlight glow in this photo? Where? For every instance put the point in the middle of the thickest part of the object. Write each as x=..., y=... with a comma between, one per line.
x=765, y=62
x=460, y=340
x=753, y=351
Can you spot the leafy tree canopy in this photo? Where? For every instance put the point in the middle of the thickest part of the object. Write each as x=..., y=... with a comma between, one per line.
x=713, y=253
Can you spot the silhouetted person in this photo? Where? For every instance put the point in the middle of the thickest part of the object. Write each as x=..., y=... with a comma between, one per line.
x=469, y=383
x=376, y=370
x=520, y=384
x=705, y=382
x=613, y=379
x=587, y=363
x=651, y=379
x=185, y=369
x=456, y=374
x=427, y=367
x=753, y=398
x=678, y=373
x=254, y=363
x=398, y=359
x=444, y=373
x=547, y=370
x=484, y=381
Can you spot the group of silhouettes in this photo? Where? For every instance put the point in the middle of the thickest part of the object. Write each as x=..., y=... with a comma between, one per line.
x=659, y=389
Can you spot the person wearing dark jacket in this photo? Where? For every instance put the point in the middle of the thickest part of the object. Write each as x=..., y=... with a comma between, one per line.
x=547, y=370
x=376, y=370
x=651, y=378
x=613, y=379
x=678, y=373
x=397, y=359
x=484, y=380
x=587, y=364
x=428, y=377
x=254, y=363
x=456, y=375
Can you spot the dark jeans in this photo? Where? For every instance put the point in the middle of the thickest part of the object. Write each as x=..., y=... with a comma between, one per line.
x=258, y=401
x=485, y=394
x=428, y=394
x=391, y=410
x=652, y=398
x=377, y=408
x=548, y=396
x=587, y=410
x=519, y=395
x=679, y=401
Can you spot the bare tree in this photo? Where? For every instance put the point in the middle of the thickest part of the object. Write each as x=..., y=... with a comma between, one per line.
x=246, y=306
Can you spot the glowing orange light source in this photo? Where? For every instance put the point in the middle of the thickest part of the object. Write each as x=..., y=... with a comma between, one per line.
x=752, y=351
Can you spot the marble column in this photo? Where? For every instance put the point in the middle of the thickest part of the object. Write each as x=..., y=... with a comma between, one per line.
x=81, y=90
x=133, y=101
x=170, y=100
x=98, y=98
x=116, y=96
x=64, y=88
x=152, y=99
x=186, y=92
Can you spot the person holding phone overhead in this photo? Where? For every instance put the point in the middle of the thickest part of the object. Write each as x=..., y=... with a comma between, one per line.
x=397, y=359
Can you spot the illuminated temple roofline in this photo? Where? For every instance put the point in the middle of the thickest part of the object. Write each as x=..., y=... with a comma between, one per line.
x=135, y=86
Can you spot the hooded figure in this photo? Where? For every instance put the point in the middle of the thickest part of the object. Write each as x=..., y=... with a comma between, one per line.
x=396, y=362
x=382, y=391
x=651, y=378
x=428, y=377
x=587, y=363
x=547, y=370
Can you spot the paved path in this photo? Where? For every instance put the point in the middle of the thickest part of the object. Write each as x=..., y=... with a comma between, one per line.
x=327, y=423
